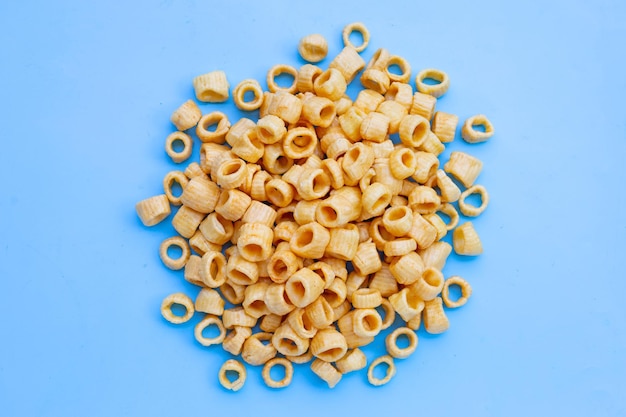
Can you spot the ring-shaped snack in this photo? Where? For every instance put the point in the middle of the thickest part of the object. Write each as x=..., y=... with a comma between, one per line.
x=356, y=27
x=466, y=291
x=391, y=370
x=239, y=94
x=279, y=192
x=168, y=182
x=390, y=314
x=180, y=299
x=366, y=322
x=328, y=344
x=403, y=65
x=213, y=269
x=466, y=241
x=233, y=366
x=353, y=360
x=221, y=129
x=330, y=84
x=231, y=174
x=258, y=349
x=391, y=342
x=313, y=48
x=471, y=135
x=398, y=220
x=470, y=210
x=299, y=143
x=210, y=320
x=435, y=90
x=402, y=162
x=366, y=298
x=171, y=263
x=277, y=70
x=285, y=380
x=153, y=210
x=449, y=210
x=185, y=153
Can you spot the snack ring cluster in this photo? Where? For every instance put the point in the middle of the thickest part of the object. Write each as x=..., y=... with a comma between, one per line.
x=310, y=229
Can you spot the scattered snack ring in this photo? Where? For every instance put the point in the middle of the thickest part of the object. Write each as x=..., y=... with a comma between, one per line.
x=180, y=299
x=232, y=365
x=210, y=320
x=186, y=142
x=153, y=210
x=444, y=126
x=390, y=314
x=464, y=167
x=356, y=27
x=471, y=135
x=277, y=70
x=466, y=241
x=211, y=87
x=186, y=116
x=170, y=179
x=217, y=135
x=466, y=292
x=313, y=48
x=449, y=210
x=435, y=90
x=391, y=342
x=240, y=91
x=403, y=65
x=470, y=210
x=174, y=263
x=285, y=380
x=390, y=372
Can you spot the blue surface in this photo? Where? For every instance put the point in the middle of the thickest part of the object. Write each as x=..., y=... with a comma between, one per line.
x=87, y=89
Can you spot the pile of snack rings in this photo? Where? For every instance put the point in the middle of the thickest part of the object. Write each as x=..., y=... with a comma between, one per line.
x=313, y=225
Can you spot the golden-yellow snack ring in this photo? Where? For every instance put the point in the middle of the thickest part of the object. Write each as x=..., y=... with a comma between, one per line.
x=181, y=299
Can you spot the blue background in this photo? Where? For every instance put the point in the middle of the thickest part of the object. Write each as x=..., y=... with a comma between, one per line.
x=87, y=89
